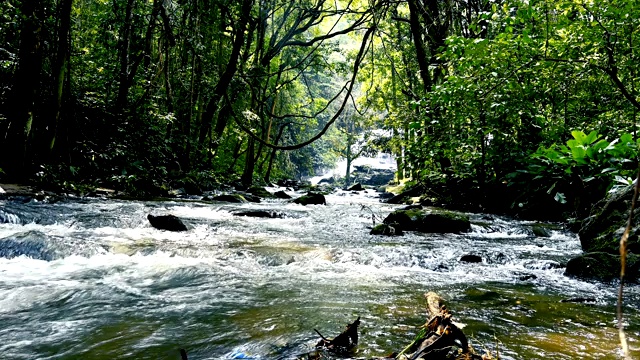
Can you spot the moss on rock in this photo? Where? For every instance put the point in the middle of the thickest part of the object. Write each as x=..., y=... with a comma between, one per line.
x=387, y=229
x=430, y=221
x=602, y=266
x=311, y=199
x=601, y=231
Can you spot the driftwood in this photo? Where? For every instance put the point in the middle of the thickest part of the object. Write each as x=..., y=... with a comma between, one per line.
x=344, y=343
x=439, y=338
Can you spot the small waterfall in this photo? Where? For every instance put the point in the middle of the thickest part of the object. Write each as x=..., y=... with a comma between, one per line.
x=9, y=218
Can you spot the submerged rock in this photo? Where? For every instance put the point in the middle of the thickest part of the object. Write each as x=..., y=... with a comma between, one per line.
x=32, y=244
x=387, y=229
x=602, y=266
x=470, y=258
x=541, y=231
x=167, y=222
x=259, y=214
x=430, y=221
x=311, y=199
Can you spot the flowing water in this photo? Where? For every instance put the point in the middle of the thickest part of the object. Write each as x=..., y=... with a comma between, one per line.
x=91, y=279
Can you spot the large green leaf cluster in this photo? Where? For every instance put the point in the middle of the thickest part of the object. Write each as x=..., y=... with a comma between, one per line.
x=585, y=167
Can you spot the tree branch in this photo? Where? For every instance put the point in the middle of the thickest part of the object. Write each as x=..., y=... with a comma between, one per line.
x=350, y=84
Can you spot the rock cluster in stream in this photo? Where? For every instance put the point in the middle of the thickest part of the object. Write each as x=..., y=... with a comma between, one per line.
x=600, y=235
x=425, y=220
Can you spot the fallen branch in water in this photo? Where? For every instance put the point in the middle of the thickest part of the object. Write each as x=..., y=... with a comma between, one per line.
x=344, y=343
x=440, y=337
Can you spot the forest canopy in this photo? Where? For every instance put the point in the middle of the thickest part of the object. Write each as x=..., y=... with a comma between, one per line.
x=480, y=97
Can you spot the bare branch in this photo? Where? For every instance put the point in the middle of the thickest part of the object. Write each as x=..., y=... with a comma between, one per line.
x=356, y=66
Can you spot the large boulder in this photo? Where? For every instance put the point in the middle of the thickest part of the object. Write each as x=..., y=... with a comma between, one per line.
x=602, y=230
x=356, y=187
x=602, y=266
x=430, y=221
x=311, y=199
x=166, y=222
x=406, y=195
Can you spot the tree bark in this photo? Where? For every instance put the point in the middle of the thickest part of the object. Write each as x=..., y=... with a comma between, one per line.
x=226, y=77
x=25, y=91
x=249, y=165
x=124, y=46
x=421, y=51
x=61, y=67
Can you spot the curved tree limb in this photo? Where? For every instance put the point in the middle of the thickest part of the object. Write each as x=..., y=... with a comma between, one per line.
x=356, y=66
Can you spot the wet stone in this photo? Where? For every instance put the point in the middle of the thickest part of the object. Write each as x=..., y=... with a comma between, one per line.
x=470, y=258
x=167, y=222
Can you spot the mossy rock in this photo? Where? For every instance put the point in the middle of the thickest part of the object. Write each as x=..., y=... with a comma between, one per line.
x=602, y=266
x=233, y=198
x=311, y=198
x=261, y=192
x=282, y=195
x=387, y=229
x=430, y=221
x=540, y=231
x=601, y=232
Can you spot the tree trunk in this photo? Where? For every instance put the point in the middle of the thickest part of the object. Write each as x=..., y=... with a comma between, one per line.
x=226, y=77
x=60, y=67
x=124, y=45
x=267, y=176
x=347, y=175
x=249, y=166
x=421, y=51
x=25, y=91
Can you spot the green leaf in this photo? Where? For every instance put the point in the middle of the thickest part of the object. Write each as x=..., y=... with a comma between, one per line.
x=578, y=154
x=560, y=198
x=579, y=136
x=626, y=138
x=592, y=137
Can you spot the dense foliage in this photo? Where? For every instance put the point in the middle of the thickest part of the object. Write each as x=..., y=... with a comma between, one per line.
x=503, y=104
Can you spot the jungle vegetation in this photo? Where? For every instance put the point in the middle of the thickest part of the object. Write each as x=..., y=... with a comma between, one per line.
x=534, y=99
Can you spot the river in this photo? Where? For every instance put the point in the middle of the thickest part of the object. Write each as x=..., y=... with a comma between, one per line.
x=91, y=279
